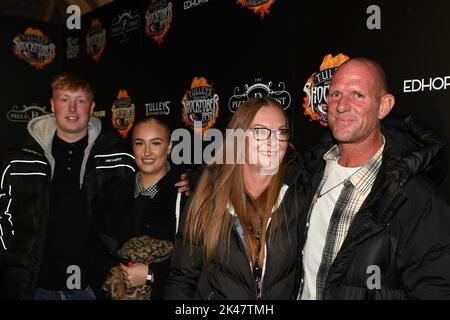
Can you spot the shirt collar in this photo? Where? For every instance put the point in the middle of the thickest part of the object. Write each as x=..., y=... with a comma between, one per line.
x=363, y=179
x=151, y=189
x=77, y=146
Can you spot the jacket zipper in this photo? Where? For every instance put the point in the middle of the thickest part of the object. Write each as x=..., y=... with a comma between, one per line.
x=259, y=270
x=36, y=261
x=264, y=262
x=256, y=271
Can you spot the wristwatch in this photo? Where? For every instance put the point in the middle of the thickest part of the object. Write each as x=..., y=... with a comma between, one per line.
x=150, y=278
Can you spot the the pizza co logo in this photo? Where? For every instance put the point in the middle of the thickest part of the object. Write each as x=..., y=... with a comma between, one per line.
x=200, y=105
x=34, y=47
x=316, y=88
x=260, y=89
x=96, y=40
x=25, y=113
x=123, y=113
x=72, y=47
x=158, y=19
x=124, y=23
x=260, y=7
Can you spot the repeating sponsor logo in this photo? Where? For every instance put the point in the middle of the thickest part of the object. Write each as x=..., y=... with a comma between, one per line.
x=260, y=89
x=200, y=105
x=260, y=7
x=96, y=40
x=34, y=47
x=123, y=113
x=316, y=88
x=429, y=84
x=188, y=4
x=25, y=113
x=158, y=19
x=157, y=108
x=124, y=23
x=72, y=47
x=99, y=114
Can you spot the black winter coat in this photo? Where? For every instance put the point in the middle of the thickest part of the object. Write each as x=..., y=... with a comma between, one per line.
x=232, y=277
x=403, y=227
x=24, y=210
x=156, y=217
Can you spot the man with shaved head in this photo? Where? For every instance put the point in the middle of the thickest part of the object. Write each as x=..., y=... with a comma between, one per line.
x=376, y=227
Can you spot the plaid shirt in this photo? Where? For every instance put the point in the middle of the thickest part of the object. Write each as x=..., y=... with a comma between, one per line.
x=355, y=191
x=150, y=191
x=147, y=192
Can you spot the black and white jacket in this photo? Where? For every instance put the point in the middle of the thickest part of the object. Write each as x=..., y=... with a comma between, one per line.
x=26, y=176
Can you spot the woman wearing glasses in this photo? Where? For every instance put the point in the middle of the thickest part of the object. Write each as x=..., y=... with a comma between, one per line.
x=239, y=239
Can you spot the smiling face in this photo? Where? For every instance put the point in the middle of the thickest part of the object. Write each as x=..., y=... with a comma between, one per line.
x=267, y=154
x=151, y=146
x=72, y=109
x=357, y=102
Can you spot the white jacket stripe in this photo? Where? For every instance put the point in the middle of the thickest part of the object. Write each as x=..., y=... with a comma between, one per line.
x=113, y=155
x=115, y=166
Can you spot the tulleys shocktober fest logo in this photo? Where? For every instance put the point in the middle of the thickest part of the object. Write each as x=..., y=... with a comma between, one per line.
x=123, y=113
x=316, y=88
x=260, y=7
x=158, y=19
x=34, y=47
x=96, y=40
x=200, y=105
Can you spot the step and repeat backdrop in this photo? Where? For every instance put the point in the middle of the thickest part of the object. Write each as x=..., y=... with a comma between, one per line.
x=198, y=60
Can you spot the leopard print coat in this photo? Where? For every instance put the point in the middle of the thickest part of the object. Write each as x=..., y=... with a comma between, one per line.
x=142, y=249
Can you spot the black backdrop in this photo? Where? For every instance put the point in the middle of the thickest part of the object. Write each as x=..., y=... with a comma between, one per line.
x=239, y=53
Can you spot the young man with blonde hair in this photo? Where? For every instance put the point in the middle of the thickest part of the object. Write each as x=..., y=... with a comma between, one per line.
x=59, y=189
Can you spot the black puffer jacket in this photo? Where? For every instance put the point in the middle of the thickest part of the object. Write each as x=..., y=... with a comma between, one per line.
x=232, y=277
x=403, y=227
x=25, y=196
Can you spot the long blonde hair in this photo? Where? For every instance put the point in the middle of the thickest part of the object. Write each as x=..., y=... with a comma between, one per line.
x=208, y=223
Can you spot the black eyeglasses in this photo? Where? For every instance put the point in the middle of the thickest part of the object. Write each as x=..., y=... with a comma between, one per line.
x=262, y=134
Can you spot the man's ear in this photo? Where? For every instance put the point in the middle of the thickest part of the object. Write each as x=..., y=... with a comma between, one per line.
x=387, y=102
x=92, y=108
x=52, y=104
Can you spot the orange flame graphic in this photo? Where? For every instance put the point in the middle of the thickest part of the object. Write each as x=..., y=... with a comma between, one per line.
x=200, y=82
x=122, y=94
x=330, y=62
x=261, y=9
x=35, y=32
